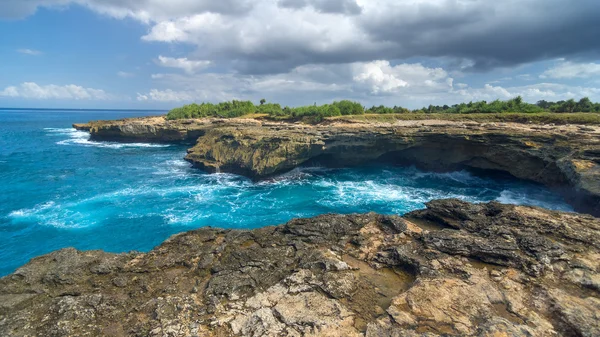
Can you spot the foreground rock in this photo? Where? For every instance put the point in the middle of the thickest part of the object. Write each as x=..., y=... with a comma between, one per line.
x=454, y=269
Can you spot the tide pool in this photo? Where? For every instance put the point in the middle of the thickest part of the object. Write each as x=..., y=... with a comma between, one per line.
x=58, y=189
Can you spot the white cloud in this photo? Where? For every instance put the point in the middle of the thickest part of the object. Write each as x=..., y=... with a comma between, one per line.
x=142, y=10
x=125, y=74
x=32, y=52
x=275, y=36
x=189, y=66
x=531, y=93
x=31, y=90
x=167, y=95
x=379, y=76
x=382, y=77
x=570, y=70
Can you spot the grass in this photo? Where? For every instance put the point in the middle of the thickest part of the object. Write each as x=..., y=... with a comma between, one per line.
x=586, y=118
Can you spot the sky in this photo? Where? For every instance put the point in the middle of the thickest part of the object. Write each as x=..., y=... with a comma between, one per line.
x=156, y=54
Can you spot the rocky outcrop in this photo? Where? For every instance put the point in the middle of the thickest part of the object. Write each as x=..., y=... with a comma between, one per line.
x=566, y=158
x=454, y=269
x=156, y=129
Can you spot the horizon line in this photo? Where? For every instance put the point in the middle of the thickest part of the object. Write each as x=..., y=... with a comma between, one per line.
x=83, y=109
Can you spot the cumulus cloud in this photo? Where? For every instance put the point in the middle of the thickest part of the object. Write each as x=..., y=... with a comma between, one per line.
x=412, y=85
x=569, y=70
x=325, y=6
x=268, y=36
x=143, y=10
x=167, y=95
x=382, y=77
x=32, y=52
x=531, y=93
x=378, y=52
x=31, y=90
x=189, y=66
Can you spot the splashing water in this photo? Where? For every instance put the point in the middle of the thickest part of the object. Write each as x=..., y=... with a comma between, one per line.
x=58, y=189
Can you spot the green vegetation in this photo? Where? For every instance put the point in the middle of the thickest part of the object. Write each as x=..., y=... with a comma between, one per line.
x=588, y=118
x=512, y=110
x=314, y=113
x=516, y=105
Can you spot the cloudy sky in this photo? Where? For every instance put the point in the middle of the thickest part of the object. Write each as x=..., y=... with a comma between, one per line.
x=161, y=54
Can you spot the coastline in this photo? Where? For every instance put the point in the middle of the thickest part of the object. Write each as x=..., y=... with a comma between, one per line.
x=452, y=269
x=565, y=158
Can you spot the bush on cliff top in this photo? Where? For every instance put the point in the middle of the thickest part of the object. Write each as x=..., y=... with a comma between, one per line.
x=317, y=113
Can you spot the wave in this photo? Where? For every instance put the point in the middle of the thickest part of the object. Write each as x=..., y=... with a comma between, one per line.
x=51, y=214
x=364, y=193
x=173, y=168
x=521, y=198
x=77, y=137
x=463, y=177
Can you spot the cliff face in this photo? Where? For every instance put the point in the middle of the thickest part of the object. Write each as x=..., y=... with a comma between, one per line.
x=454, y=269
x=565, y=158
x=156, y=129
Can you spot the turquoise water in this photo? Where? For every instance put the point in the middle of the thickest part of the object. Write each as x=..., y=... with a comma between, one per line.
x=57, y=189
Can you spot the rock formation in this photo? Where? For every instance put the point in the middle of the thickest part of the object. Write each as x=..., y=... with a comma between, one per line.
x=565, y=158
x=454, y=269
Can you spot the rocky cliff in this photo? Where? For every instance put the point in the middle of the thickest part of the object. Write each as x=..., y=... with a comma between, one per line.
x=454, y=269
x=566, y=157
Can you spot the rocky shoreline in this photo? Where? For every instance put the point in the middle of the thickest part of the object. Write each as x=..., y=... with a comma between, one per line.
x=565, y=158
x=453, y=269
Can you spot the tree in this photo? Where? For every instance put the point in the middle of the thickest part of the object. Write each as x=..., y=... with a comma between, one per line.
x=518, y=100
x=543, y=104
x=570, y=105
x=585, y=105
x=263, y=101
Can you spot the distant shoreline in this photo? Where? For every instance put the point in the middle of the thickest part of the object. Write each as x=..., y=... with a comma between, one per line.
x=71, y=109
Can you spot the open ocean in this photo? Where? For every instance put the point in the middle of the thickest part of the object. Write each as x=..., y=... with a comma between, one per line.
x=58, y=189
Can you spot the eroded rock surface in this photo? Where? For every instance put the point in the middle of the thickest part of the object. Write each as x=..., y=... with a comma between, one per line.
x=454, y=269
x=562, y=158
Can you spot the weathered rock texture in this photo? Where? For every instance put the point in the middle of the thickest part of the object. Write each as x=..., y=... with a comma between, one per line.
x=561, y=158
x=566, y=158
x=454, y=269
x=156, y=129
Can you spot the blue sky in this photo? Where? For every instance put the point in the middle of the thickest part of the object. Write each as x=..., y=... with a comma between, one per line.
x=149, y=54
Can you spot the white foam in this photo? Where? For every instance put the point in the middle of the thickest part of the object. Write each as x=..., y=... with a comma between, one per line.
x=32, y=211
x=51, y=214
x=463, y=177
x=81, y=138
x=16, y=214
x=171, y=168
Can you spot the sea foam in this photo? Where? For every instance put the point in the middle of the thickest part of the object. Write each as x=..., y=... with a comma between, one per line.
x=77, y=137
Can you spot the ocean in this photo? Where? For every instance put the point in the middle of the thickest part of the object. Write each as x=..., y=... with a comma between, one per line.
x=58, y=189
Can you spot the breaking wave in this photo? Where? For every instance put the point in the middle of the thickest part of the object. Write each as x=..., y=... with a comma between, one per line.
x=77, y=137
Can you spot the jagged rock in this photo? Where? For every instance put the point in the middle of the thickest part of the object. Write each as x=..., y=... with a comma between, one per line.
x=333, y=275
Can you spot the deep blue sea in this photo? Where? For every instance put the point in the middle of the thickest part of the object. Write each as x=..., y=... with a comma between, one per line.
x=58, y=189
